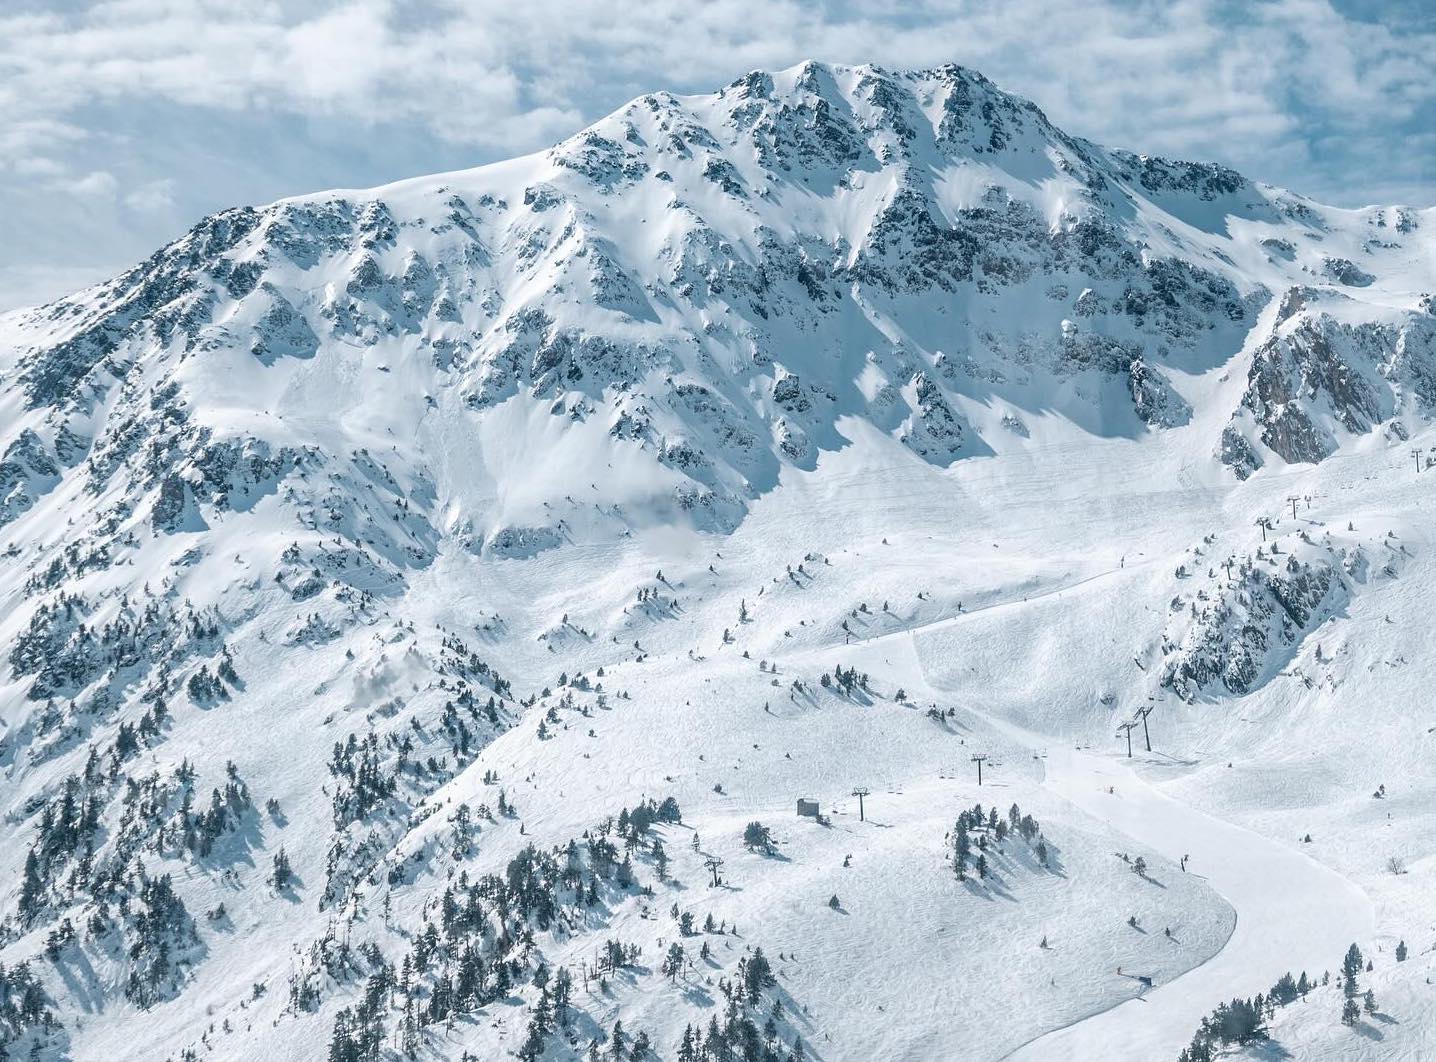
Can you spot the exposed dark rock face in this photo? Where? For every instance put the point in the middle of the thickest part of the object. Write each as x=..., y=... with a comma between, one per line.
x=1239, y=636
x=1317, y=377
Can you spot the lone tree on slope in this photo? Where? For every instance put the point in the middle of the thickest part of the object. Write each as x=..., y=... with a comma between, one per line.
x=756, y=835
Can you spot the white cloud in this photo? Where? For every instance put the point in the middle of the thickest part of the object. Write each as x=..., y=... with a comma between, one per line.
x=97, y=184
x=35, y=166
x=1195, y=76
x=1185, y=74
x=152, y=197
x=1290, y=91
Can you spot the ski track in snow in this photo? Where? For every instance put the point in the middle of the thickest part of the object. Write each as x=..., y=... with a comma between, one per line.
x=1300, y=926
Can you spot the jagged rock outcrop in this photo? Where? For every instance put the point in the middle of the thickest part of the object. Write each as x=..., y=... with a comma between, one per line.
x=1323, y=374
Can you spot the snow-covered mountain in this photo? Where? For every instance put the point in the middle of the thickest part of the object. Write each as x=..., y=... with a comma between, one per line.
x=413, y=596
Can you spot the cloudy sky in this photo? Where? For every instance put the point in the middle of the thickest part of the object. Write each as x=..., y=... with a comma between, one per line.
x=124, y=121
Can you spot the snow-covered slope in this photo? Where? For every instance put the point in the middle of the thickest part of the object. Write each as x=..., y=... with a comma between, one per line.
x=361, y=552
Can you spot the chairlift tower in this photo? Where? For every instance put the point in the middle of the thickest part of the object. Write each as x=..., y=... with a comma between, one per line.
x=1142, y=714
x=860, y=792
x=1127, y=728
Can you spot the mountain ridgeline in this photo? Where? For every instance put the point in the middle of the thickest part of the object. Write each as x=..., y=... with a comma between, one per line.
x=710, y=285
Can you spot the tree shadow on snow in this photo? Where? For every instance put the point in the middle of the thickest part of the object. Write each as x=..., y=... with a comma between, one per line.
x=697, y=995
x=1268, y=1051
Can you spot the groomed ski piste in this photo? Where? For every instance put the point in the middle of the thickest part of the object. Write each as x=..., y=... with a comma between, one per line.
x=1291, y=911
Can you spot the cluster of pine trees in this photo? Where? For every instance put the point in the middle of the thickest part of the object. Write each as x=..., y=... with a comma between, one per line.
x=478, y=944
x=66, y=654
x=67, y=864
x=205, y=688
x=157, y=927
x=456, y=727
x=160, y=813
x=378, y=780
x=1351, y=966
x=67, y=824
x=458, y=659
x=23, y=1007
x=553, y=1009
x=362, y=780
x=158, y=934
x=156, y=814
x=738, y=1037
x=1243, y=1021
x=990, y=828
x=845, y=680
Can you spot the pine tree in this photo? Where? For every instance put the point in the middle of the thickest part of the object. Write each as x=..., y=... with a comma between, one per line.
x=686, y=1051
x=1285, y=990
x=756, y=835
x=341, y=1046
x=543, y=1013
x=533, y=1045
x=961, y=848
x=673, y=961
x=32, y=889
x=562, y=994
x=758, y=974
x=283, y=872
x=1350, y=967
